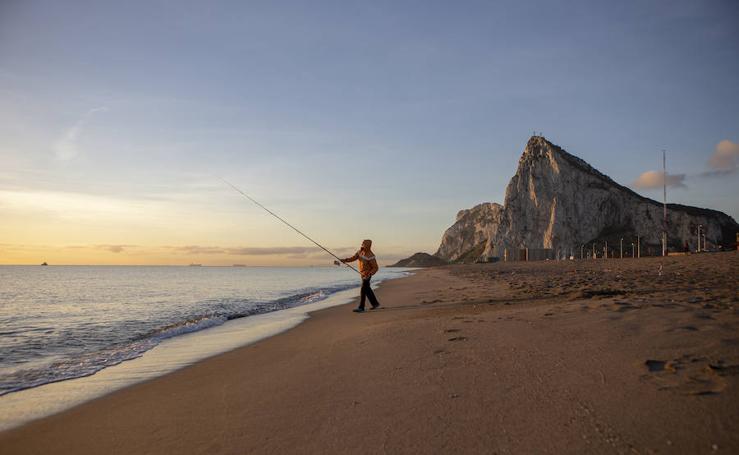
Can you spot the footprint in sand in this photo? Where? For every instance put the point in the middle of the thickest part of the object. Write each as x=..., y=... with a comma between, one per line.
x=624, y=307
x=689, y=376
x=724, y=370
x=460, y=338
x=657, y=365
x=702, y=315
x=451, y=330
x=687, y=328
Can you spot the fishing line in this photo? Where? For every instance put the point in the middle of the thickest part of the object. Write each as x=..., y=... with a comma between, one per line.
x=284, y=221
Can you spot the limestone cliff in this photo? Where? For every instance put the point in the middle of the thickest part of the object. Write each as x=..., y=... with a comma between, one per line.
x=466, y=239
x=556, y=204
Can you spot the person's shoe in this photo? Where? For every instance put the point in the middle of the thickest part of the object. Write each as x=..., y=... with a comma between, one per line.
x=358, y=310
x=375, y=307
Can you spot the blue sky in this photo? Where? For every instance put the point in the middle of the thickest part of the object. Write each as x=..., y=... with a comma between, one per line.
x=351, y=119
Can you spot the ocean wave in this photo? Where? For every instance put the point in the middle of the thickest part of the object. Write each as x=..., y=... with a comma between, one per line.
x=89, y=363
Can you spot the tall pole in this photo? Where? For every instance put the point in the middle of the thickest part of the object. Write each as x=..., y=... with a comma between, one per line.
x=622, y=248
x=664, y=203
x=638, y=247
x=699, y=237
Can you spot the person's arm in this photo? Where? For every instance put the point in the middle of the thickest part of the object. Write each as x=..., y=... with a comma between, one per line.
x=351, y=259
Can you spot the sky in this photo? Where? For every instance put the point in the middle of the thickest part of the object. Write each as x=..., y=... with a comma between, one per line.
x=351, y=120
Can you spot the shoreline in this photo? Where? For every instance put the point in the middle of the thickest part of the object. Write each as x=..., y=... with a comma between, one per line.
x=598, y=356
x=25, y=406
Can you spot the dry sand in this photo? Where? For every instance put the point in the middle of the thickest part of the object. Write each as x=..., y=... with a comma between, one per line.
x=605, y=356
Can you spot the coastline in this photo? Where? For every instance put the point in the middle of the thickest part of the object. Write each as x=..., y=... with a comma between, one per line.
x=596, y=356
x=24, y=406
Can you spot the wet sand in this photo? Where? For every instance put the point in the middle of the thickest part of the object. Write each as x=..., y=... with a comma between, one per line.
x=604, y=356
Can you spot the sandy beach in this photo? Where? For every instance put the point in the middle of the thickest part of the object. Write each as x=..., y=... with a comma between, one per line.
x=604, y=356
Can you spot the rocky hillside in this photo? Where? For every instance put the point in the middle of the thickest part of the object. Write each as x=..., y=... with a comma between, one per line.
x=467, y=238
x=557, y=204
x=420, y=260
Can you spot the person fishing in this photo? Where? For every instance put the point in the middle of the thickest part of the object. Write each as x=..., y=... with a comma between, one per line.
x=367, y=262
x=367, y=267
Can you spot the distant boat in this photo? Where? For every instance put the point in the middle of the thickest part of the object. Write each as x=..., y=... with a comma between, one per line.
x=196, y=265
x=239, y=265
x=44, y=263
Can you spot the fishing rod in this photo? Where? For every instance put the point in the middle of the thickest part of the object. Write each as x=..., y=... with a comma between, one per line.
x=284, y=221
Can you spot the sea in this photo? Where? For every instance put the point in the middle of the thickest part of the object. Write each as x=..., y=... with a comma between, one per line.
x=61, y=323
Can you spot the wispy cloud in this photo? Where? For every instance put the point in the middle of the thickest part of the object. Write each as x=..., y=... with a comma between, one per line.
x=301, y=251
x=115, y=248
x=66, y=148
x=67, y=204
x=197, y=249
x=725, y=159
x=655, y=179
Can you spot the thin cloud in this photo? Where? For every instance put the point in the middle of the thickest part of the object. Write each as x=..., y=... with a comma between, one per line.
x=66, y=148
x=268, y=251
x=198, y=249
x=294, y=251
x=655, y=179
x=69, y=204
x=725, y=159
x=115, y=248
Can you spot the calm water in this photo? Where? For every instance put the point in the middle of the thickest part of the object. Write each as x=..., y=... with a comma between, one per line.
x=63, y=322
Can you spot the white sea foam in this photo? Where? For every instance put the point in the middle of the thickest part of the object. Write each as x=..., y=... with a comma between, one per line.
x=173, y=348
x=98, y=336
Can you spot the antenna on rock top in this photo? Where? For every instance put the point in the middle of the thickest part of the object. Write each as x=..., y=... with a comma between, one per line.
x=664, y=203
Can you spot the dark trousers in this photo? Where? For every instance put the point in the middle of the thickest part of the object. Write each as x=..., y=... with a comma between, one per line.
x=366, y=292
